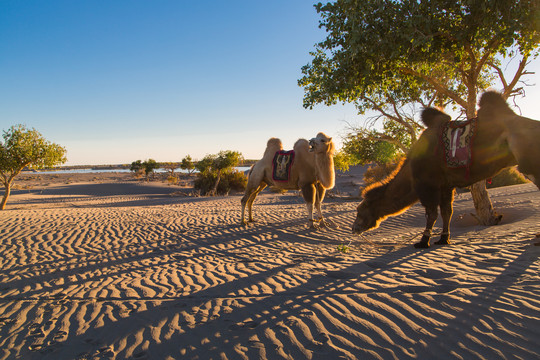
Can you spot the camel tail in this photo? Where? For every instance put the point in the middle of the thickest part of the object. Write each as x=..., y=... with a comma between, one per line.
x=432, y=117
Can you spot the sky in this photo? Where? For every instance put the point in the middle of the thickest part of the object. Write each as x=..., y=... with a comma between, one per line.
x=119, y=81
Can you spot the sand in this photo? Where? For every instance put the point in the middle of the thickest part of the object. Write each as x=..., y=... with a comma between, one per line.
x=108, y=267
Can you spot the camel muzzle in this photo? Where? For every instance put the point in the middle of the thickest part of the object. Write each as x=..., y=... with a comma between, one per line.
x=357, y=228
x=360, y=225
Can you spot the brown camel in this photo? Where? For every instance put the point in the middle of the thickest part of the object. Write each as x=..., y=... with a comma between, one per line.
x=502, y=139
x=309, y=167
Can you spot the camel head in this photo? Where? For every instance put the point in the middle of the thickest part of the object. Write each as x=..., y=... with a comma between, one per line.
x=321, y=144
x=365, y=218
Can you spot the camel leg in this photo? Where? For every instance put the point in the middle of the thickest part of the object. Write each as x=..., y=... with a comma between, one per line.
x=252, y=199
x=429, y=197
x=247, y=201
x=321, y=191
x=244, y=201
x=309, y=192
x=447, y=198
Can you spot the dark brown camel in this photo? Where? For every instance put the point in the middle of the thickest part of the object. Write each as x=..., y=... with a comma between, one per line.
x=502, y=139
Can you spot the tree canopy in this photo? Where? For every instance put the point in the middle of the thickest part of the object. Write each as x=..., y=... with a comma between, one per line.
x=390, y=53
x=22, y=148
x=149, y=166
x=136, y=166
x=187, y=164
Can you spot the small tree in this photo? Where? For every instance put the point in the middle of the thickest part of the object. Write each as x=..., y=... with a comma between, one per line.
x=225, y=160
x=170, y=167
x=137, y=168
x=187, y=164
x=216, y=164
x=149, y=166
x=22, y=148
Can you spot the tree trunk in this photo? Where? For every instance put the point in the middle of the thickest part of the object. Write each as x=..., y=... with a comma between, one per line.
x=482, y=203
x=7, y=191
x=218, y=178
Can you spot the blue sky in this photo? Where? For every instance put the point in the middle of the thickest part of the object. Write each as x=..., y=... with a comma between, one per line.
x=118, y=81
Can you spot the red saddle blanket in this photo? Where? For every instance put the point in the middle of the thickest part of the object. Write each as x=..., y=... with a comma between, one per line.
x=281, y=165
x=457, y=137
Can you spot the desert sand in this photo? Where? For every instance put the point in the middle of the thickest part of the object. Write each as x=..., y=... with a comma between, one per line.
x=103, y=266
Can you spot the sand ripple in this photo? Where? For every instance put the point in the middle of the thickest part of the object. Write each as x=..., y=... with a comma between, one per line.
x=153, y=277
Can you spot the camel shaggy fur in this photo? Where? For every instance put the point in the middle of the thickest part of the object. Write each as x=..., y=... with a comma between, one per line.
x=312, y=171
x=502, y=139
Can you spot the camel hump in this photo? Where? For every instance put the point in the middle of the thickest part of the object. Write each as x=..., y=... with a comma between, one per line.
x=432, y=117
x=274, y=143
x=272, y=146
x=301, y=145
x=494, y=101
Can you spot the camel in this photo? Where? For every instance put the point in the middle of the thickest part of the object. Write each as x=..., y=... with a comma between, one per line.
x=311, y=170
x=502, y=139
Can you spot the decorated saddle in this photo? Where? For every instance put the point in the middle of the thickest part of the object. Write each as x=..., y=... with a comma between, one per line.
x=457, y=137
x=281, y=165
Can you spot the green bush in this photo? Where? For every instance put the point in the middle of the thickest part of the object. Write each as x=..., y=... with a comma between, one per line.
x=508, y=176
x=172, y=180
x=230, y=180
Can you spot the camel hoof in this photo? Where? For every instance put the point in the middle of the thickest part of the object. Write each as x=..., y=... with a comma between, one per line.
x=439, y=242
x=422, y=245
x=444, y=240
x=329, y=224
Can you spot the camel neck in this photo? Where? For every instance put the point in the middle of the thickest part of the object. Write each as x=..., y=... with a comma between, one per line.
x=400, y=193
x=325, y=170
x=395, y=195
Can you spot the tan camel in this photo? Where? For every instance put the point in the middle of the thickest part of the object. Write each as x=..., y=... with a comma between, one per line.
x=311, y=170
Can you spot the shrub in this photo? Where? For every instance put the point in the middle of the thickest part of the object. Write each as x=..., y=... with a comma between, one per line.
x=230, y=180
x=138, y=174
x=172, y=180
x=508, y=176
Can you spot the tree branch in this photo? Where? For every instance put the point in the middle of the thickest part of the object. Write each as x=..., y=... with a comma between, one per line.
x=493, y=44
x=519, y=72
x=389, y=139
x=436, y=85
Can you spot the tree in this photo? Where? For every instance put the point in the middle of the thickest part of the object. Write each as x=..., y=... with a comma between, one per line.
x=170, y=167
x=365, y=146
x=22, y=148
x=216, y=164
x=385, y=55
x=149, y=166
x=187, y=164
x=137, y=168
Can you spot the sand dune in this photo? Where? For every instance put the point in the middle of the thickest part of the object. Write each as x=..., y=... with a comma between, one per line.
x=124, y=270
